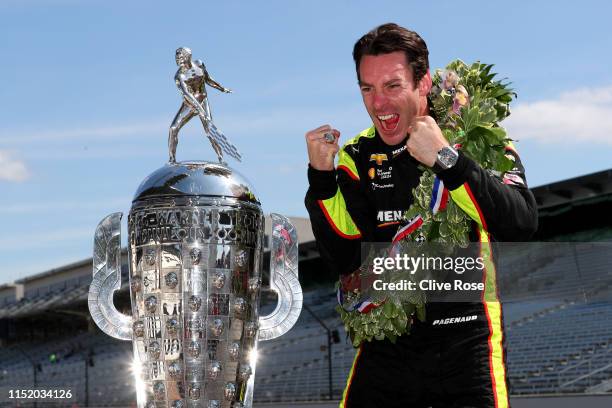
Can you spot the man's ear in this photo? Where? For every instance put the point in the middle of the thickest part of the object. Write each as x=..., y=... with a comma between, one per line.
x=425, y=84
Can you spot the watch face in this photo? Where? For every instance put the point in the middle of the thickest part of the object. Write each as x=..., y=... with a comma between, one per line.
x=447, y=157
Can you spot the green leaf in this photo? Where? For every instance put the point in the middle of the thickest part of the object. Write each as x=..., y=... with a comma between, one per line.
x=421, y=313
x=433, y=231
x=480, y=133
x=505, y=164
x=401, y=323
x=388, y=326
x=454, y=213
x=422, y=199
x=388, y=310
x=440, y=216
x=444, y=230
x=469, y=118
x=409, y=308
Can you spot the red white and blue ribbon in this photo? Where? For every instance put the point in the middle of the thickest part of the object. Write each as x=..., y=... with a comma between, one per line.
x=365, y=306
x=414, y=224
x=438, y=202
x=362, y=307
x=439, y=196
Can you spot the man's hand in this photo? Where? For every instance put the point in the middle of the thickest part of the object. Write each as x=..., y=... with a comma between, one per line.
x=425, y=140
x=321, y=153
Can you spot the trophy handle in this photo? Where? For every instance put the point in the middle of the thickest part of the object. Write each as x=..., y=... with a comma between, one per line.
x=283, y=280
x=107, y=279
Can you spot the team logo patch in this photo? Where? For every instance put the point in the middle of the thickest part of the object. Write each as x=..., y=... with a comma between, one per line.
x=396, y=152
x=379, y=158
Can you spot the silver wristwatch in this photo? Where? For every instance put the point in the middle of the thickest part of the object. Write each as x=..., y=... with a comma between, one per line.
x=447, y=157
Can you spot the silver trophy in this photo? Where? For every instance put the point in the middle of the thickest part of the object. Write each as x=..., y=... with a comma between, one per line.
x=196, y=248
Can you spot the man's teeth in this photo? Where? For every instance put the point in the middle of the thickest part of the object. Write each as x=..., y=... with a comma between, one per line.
x=386, y=117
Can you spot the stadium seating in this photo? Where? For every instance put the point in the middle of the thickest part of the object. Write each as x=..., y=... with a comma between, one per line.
x=558, y=321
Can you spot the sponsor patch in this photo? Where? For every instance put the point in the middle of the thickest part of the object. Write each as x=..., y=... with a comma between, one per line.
x=389, y=216
x=454, y=320
x=396, y=152
x=384, y=174
x=376, y=186
x=378, y=158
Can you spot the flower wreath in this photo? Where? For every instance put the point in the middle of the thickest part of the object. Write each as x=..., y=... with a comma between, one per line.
x=468, y=105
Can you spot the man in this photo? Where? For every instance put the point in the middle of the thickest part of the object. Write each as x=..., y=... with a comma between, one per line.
x=363, y=200
x=191, y=79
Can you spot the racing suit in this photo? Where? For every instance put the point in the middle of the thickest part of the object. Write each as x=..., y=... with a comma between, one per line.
x=459, y=364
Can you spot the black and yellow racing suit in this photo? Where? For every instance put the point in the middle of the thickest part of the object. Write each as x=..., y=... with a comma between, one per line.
x=456, y=364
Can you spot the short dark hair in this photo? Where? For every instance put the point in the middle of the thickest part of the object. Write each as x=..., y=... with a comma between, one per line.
x=390, y=37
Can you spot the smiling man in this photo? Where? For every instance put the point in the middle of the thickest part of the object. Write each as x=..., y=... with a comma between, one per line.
x=391, y=95
x=363, y=199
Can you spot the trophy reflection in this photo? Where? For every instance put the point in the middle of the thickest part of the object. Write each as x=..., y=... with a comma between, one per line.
x=195, y=250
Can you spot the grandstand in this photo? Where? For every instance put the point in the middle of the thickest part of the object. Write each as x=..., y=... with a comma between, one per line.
x=557, y=306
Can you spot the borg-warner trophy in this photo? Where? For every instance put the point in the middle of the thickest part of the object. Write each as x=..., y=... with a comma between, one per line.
x=195, y=255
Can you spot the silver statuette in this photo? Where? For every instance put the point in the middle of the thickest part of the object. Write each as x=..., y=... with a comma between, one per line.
x=191, y=79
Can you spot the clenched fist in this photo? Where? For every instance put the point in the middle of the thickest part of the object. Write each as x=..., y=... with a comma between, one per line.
x=321, y=152
x=425, y=140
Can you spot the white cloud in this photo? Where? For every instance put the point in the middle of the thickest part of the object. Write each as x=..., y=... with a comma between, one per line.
x=578, y=116
x=12, y=169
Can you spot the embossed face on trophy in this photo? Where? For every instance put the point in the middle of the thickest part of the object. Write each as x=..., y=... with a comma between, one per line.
x=196, y=232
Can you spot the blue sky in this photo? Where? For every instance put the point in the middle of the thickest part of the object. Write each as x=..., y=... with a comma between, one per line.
x=87, y=96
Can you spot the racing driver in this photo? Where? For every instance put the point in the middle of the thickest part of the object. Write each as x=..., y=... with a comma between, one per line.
x=363, y=198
